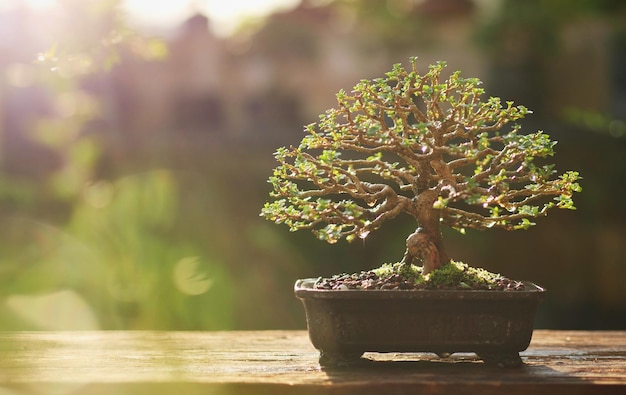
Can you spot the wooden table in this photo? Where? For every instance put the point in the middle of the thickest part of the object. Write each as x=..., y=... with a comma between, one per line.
x=284, y=362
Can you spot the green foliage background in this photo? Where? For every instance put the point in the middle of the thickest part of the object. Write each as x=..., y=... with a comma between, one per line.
x=105, y=229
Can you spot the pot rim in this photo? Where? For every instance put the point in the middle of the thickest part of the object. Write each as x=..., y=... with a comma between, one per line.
x=304, y=288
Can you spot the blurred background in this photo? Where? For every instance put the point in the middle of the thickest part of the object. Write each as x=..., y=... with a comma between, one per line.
x=136, y=138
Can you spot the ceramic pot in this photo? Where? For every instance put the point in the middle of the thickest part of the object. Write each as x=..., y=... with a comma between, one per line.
x=343, y=324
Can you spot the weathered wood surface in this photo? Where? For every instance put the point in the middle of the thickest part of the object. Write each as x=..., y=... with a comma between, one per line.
x=280, y=362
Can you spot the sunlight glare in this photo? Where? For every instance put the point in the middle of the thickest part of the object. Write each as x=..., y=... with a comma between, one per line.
x=164, y=12
x=32, y=4
x=228, y=15
x=225, y=15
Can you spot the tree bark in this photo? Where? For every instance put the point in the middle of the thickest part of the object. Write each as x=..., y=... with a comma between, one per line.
x=425, y=245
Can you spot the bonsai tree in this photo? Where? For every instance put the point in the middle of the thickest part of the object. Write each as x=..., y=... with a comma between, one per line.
x=421, y=145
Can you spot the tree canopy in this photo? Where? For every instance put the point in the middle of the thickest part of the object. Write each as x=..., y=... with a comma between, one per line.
x=422, y=145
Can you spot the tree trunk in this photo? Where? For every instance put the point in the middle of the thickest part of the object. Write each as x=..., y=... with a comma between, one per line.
x=425, y=245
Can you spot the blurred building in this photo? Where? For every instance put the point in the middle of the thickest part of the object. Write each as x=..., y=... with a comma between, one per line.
x=267, y=83
x=220, y=106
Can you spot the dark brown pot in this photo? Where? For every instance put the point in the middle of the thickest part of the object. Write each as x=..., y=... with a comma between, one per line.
x=343, y=324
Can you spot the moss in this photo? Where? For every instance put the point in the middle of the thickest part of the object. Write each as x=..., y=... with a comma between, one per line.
x=411, y=273
x=461, y=275
x=451, y=275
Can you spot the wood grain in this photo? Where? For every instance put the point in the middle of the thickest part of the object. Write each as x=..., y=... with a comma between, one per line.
x=282, y=362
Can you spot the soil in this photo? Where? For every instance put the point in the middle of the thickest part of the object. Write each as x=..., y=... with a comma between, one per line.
x=370, y=280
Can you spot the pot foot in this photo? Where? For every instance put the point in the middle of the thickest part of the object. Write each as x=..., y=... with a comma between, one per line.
x=337, y=359
x=502, y=359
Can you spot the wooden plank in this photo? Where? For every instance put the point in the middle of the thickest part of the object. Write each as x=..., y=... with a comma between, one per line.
x=277, y=362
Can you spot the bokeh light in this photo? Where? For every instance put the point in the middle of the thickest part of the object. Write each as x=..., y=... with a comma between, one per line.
x=136, y=138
